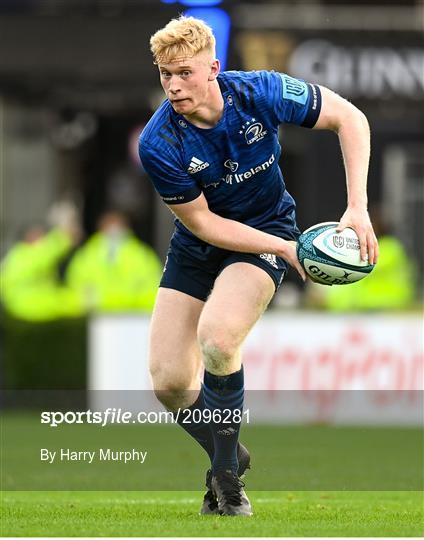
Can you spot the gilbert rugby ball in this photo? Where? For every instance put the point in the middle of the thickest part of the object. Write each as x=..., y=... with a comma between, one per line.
x=330, y=257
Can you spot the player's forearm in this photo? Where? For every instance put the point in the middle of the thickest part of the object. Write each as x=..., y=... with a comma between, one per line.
x=353, y=130
x=354, y=136
x=235, y=236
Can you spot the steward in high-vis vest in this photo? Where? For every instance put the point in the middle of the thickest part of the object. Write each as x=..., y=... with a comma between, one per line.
x=114, y=271
x=30, y=285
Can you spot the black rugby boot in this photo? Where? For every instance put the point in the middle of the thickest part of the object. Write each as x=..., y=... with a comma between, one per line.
x=210, y=502
x=232, y=499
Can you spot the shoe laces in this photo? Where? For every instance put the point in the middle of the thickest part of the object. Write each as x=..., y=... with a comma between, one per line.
x=231, y=487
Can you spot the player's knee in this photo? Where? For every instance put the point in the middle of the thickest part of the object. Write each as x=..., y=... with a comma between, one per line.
x=171, y=392
x=218, y=350
x=167, y=380
x=172, y=389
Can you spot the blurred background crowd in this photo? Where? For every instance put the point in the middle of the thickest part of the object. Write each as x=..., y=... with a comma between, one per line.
x=82, y=229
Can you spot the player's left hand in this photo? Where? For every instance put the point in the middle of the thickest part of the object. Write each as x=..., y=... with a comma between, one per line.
x=359, y=220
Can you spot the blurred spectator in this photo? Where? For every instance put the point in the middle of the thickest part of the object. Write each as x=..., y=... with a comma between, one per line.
x=30, y=285
x=391, y=285
x=114, y=270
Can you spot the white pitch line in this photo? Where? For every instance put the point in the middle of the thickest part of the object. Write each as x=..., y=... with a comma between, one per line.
x=152, y=501
x=183, y=500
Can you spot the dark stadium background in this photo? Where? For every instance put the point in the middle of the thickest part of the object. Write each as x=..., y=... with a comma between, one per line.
x=61, y=58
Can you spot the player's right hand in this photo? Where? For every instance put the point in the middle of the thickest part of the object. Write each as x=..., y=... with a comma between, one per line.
x=289, y=254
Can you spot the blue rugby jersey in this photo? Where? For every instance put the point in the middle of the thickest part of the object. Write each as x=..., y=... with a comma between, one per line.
x=235, y=163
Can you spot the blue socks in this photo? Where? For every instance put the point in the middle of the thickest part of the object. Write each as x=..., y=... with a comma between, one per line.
x=219, y=437
x=200, y=431
x=224, y=394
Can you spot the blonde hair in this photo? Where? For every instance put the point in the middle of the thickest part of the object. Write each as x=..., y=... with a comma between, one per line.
x=181, y=38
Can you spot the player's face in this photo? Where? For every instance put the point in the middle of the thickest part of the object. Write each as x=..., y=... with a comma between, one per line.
x=186, y=82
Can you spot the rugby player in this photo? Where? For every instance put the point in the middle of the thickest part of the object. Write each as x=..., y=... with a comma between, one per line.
x=212, y=152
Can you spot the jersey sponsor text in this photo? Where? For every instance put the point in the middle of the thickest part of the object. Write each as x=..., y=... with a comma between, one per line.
x=241, y=177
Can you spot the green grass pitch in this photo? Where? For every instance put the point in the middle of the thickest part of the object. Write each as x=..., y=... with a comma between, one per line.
x=304, y=481
x=176, y=514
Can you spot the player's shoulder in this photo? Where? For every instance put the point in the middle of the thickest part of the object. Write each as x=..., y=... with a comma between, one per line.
x=252, y=89
x=237, y=80
x=161, y=133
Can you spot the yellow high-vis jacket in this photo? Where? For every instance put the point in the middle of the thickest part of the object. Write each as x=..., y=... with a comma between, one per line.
x=113, y=275
x=30, y=287
x=391, y=285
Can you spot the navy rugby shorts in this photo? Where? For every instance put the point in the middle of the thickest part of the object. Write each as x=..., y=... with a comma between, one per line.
x=192, y=267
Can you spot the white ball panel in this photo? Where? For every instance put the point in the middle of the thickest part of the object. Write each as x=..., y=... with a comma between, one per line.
x=342, y=246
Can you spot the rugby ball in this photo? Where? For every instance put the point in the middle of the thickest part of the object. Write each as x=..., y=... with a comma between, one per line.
x=330, y=257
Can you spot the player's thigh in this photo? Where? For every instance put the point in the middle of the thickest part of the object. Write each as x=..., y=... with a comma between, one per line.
x=241, y=294
x=174, y=355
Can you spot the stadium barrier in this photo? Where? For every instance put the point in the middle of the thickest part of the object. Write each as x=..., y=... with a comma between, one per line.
x=299, y=367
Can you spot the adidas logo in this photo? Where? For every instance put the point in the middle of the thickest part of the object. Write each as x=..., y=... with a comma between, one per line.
x=227, y=431
x=197, y=165
x=271, y=259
